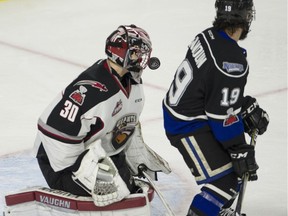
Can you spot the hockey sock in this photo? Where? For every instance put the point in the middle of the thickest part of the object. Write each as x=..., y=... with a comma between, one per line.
x=206, y=204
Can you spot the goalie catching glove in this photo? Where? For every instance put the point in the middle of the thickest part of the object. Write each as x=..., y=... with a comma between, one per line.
x=254, y=117
x=139, y=155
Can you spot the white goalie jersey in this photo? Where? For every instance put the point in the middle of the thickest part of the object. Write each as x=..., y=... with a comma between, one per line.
x=95, y=106
x=96, y=116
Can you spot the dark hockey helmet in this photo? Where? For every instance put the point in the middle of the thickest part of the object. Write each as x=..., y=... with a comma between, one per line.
x=233, y=14
x=130, y=47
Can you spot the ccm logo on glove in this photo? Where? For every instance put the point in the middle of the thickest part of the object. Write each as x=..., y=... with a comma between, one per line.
x=239, y=155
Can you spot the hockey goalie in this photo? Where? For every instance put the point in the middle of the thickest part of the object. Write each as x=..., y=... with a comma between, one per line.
x=89, y=144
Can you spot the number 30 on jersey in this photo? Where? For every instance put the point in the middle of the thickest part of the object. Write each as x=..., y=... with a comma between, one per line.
x=69, y=111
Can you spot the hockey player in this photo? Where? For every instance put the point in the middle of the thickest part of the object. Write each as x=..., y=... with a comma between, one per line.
x=89, y=140
x=202, y=110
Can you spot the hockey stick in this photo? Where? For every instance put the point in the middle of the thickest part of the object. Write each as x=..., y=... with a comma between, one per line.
x=245, y=179
x=169, y=210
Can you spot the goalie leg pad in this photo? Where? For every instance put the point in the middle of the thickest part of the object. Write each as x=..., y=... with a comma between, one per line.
x=42, y=201
x=86, y=174
x=98, y=175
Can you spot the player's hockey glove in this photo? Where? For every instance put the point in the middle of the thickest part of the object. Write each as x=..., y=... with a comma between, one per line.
x=254, y=117
x=243, y=160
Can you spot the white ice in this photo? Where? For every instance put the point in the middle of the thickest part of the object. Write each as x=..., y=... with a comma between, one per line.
x=46, y=44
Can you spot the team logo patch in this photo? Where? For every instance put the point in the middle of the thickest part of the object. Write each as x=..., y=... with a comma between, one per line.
x=123, y=130
x=78, y=96
x=117, y=108
x=231, y=119
x=94, y=84
x=233, y=67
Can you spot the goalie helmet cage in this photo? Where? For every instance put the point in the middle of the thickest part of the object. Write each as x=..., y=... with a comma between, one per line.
x=41, y=201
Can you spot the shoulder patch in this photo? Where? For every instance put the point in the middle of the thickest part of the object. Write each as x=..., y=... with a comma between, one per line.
x=78, y=95
x=233, y=67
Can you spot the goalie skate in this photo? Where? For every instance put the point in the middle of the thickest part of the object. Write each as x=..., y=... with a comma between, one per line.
x=42, y=201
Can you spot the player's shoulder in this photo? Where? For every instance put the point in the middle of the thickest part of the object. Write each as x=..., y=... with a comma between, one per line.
x=99, y=71
x=97, y=78
x=210, y=34
x=219, y=42
x=95, y=84
x=227, y=55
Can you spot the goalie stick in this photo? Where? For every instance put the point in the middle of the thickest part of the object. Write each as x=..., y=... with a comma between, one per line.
x=244, y=179
x=164, y=202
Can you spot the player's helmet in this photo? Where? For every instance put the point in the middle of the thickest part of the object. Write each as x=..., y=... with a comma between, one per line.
x=233, y=14
x=130, y=47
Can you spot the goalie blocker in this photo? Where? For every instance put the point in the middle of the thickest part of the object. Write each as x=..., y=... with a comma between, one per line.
x=49, y=202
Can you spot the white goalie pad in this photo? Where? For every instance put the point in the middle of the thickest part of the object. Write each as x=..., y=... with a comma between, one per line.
x=138, y=153
x=109, y=186
x=85, y=176
x=99, y=176
x=41, y=201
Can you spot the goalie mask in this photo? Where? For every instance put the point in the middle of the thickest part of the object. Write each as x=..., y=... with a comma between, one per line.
x=234, y=14
x=130, y=47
